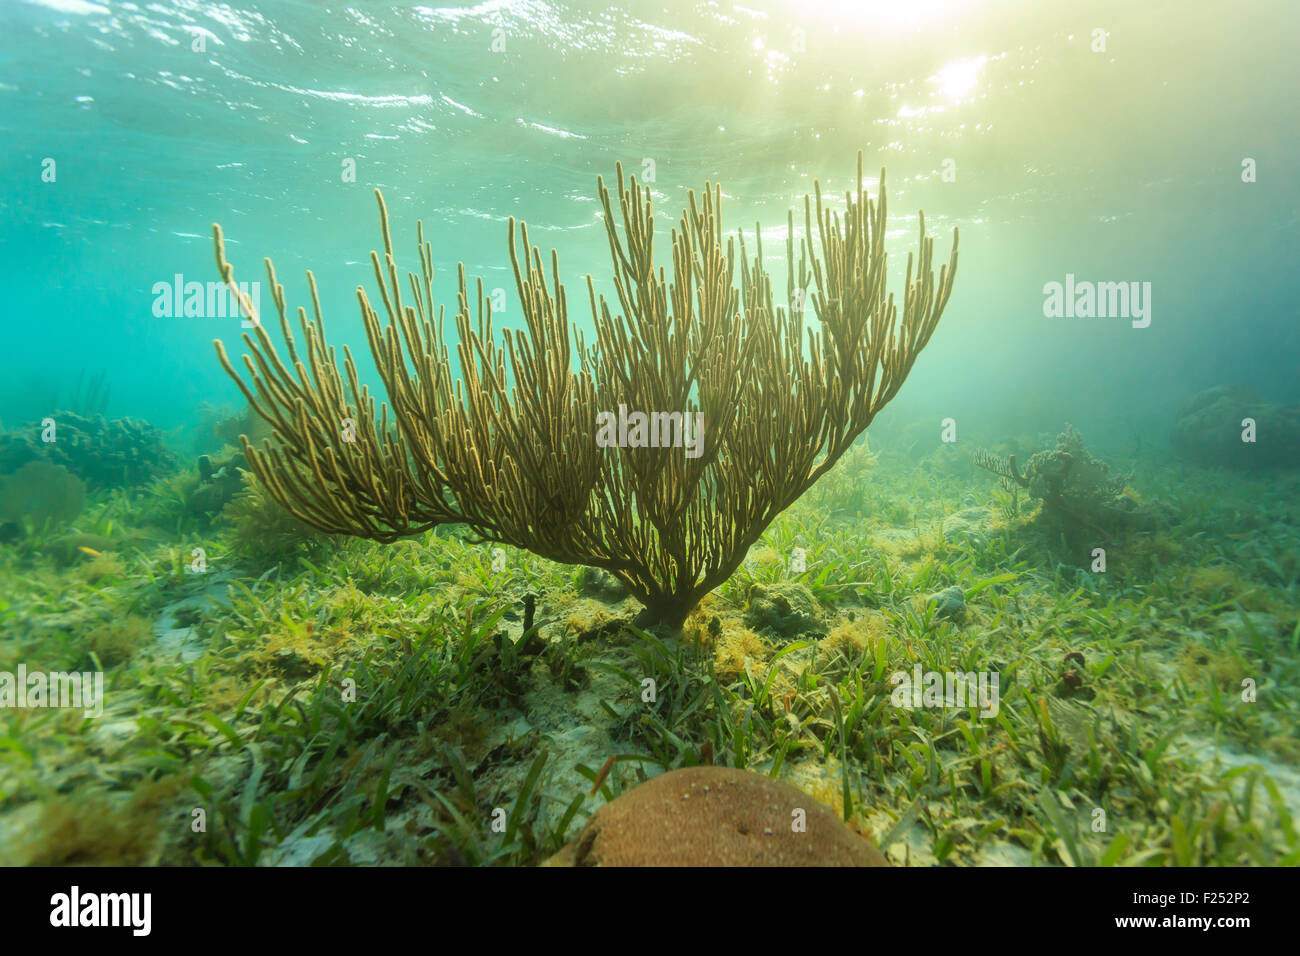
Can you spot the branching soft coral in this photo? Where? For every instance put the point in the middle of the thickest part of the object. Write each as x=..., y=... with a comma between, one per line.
x=511, y=446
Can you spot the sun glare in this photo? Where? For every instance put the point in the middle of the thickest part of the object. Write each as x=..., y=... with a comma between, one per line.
x=957, y=80
x=907, y=16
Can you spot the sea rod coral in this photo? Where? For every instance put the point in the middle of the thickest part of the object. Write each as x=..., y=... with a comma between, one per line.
x=509, y=447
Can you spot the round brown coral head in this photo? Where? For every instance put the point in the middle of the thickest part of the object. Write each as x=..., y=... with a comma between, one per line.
x=716, y=816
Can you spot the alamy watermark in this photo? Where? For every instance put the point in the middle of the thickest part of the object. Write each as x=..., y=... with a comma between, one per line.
x=924, y=688
x=207, y=300
x=130, y=910
x=1100, y=300
x=55, y=689
x=651, y=430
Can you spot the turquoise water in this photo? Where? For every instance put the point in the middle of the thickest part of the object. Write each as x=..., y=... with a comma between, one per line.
x=1119, y=165
x=1072, y=495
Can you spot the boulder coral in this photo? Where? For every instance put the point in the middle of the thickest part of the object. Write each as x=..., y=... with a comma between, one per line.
x=716, y=816
x=1233, y=427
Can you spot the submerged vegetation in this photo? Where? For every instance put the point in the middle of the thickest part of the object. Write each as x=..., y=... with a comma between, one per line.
x=763, y=393
x=276, y=699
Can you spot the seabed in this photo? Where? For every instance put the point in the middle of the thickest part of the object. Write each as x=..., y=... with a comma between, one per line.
x=273, y=696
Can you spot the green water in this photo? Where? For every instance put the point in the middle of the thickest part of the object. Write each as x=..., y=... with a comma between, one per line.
x=1123, y=181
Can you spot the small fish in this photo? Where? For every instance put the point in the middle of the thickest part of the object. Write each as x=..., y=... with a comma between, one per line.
x=90, y=551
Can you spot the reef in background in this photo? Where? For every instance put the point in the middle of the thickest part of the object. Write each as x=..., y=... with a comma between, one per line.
x=104, y=453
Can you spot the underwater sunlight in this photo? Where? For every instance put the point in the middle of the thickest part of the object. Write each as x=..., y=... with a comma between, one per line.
x=690, y=433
